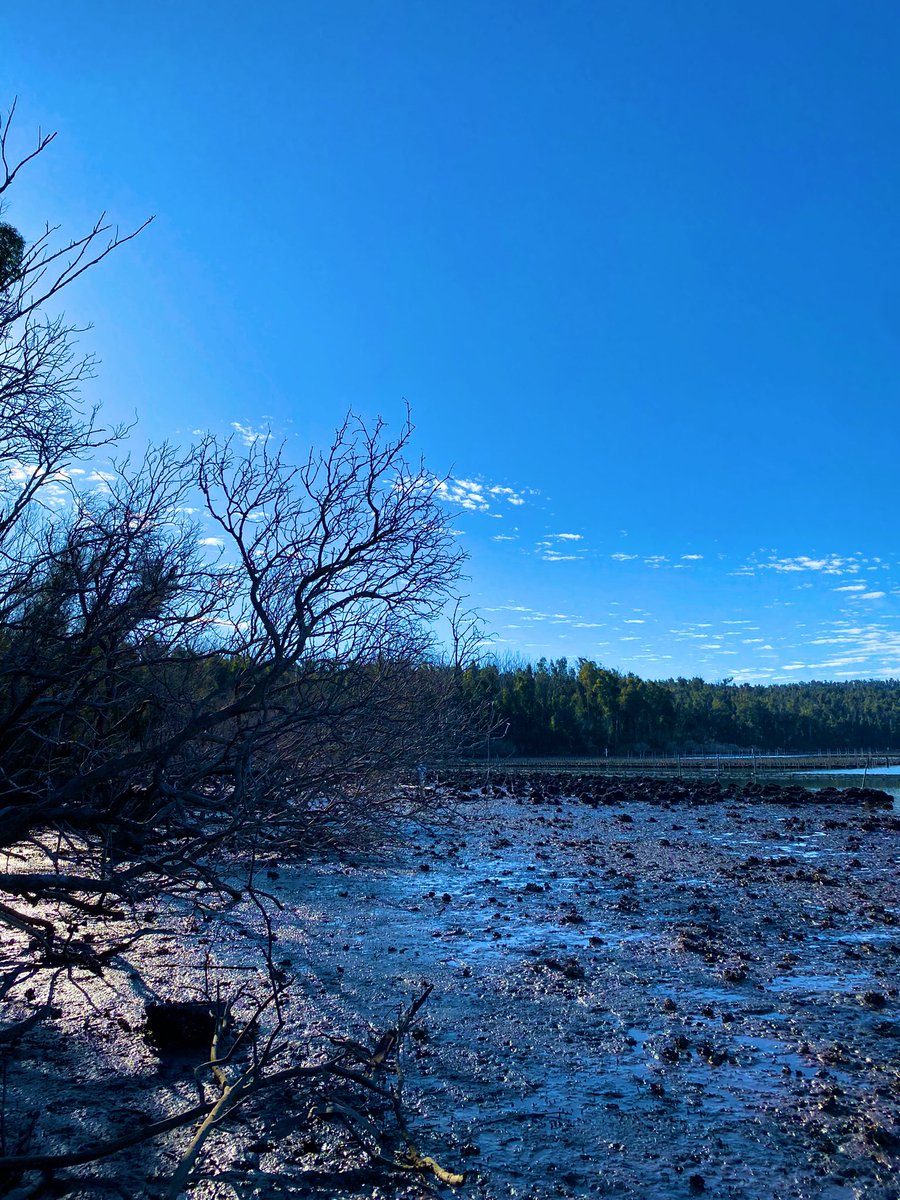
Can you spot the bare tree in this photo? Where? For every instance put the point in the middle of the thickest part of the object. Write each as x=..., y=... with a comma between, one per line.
x=179, y=694
x=41, y=427
x=269, y=687
x=161, y=701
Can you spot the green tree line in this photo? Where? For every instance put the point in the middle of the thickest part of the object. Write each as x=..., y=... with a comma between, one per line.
x=557, y=708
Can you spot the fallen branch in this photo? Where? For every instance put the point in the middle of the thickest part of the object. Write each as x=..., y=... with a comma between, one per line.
x=255, y=1080
x=353, y=1065
x=51, y=1162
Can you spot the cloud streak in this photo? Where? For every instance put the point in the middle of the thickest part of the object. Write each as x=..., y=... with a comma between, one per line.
x=477, y=495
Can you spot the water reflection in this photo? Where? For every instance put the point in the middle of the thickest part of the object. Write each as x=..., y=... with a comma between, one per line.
x=885, y=779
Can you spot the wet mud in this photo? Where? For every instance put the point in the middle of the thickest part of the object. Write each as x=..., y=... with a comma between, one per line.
x=640, y=994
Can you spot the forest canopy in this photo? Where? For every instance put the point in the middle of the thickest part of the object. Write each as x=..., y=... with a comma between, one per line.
x=556, y=708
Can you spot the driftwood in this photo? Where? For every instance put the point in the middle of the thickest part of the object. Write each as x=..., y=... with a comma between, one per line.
x=358, y=1087
x=245, y=1071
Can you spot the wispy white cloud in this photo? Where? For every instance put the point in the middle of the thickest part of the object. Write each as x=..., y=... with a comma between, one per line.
x=250, y=436
x=467, y=493
x=781, y=637
x=657, y=561
x=551, y=547
x=509, y=494
x=754, y=674
x=872, y=649
x=829, y=564
x=476, y=495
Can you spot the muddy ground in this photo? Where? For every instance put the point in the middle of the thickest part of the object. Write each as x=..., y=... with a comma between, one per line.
x=645, y=991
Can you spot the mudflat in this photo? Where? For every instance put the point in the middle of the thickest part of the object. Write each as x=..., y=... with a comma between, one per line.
x=655, y=991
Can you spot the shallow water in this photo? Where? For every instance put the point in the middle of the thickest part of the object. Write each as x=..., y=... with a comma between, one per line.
x=886, y=779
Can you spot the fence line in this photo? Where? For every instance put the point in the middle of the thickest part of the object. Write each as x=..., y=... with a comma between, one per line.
x=680, y=764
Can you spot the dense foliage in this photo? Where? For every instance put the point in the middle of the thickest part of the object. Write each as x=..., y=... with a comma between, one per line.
x=556, y=708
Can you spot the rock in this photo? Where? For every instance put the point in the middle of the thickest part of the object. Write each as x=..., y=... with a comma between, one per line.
x=182, y=1026
x=569, y=967
x=883, y=1139
x=873, y=999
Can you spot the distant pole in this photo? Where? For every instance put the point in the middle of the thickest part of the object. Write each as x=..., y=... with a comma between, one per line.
x=489, y=732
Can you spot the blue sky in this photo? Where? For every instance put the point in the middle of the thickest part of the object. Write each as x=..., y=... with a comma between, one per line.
x=632, y=265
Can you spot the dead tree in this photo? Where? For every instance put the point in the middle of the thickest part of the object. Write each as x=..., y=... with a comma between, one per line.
x=161, y=703
x=168, y=709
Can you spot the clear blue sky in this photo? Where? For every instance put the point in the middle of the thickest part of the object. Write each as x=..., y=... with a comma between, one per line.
x=635, y=262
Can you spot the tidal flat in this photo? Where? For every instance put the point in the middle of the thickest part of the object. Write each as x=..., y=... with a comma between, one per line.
x=647, y=991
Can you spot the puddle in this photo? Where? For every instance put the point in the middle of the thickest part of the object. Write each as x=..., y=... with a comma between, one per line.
x=836, y=984
x=867, y=935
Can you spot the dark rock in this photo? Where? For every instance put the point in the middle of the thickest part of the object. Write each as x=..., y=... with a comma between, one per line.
x=182, y=1026
x=568, y=967
x=874, y=999
x=883, y=1139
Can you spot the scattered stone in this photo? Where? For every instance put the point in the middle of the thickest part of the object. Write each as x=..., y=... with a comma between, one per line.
x=874, y=999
